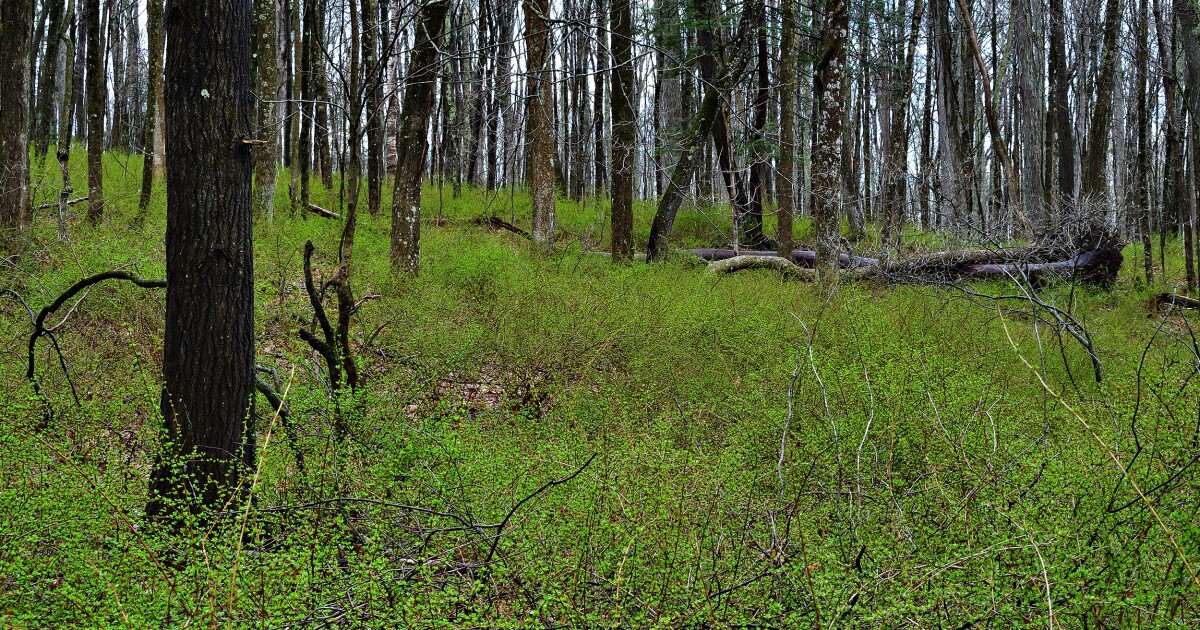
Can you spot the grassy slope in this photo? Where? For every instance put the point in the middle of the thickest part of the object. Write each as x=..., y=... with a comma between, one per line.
x=928, y=477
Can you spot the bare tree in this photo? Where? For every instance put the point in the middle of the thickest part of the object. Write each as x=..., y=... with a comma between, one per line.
x=539, y=139
x=96, y=91
x=412, y=143
x=624, y=130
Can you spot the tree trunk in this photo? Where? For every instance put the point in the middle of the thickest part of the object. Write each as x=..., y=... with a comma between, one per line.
x=752, y=226
x=297, y=190
x=624, y=130
x=681, y=178
x=64, y=124
x=96, y=91
x=266, y=156
x=954, y=178
x=539, y=139
x=48, y=77
x=353, y=114
x=208, y=344
x=412, y=143
x=787, y=125
x=16, y=30
x=374, y=112
x=323, y=136
x=1095, y=154
x=1060, y=105
x=895, y=188
x=598, y=130
x=829, y=93
x=154, y=41
x=307, y=44
x=1141, y=165
x=1029, y=112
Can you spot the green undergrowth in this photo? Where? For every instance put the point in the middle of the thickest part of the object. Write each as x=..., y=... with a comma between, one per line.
x=762, y=452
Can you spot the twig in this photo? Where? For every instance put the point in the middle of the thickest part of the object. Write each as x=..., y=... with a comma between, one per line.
x=546, y=486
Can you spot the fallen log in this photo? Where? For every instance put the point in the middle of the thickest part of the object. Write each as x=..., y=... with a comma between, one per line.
x=1097, y=266
x=751, y=261
x=318, y=210
x=1178, y=301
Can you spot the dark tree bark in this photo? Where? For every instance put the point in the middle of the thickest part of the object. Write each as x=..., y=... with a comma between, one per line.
x=1141, y=165
x=829, y=93
x=411, y=143
x=96, y=91
x=374, y=112
x=323, y=136
x=752, y=226
x=266, y=156
x=539, y=116
x=1030, y=93
x=48, y=77
x=307, y=42
x=579, y=130
x=208, y=345
x=154, y=41
x=895, y=185
x=681, y=178
x=64, y=126
x=353, y=113
x=787, y=124
x=1095, y=154
x=297, y=188
x=598, y=130
x=1060, y=105
x=16, y=32
x=956, y=166
x=624, y=130
x=79, y=104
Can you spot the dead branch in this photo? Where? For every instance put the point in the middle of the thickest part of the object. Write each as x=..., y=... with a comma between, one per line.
x=285, y=416
x=70, y=202
x=496, y=223
x=39, y=322
x=326, y=346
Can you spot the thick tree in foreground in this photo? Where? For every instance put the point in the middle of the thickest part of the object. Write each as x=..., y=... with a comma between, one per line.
x=539, y=139
x=208, y=349
x=16, y=26
x=413, y=142
x=624, y=132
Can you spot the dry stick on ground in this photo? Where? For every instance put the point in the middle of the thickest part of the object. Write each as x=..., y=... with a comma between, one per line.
x=70, y=202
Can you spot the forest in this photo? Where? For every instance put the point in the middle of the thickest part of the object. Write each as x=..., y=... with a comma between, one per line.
x=599, y=313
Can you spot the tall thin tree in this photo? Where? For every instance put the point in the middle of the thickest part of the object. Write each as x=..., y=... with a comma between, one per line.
x=624, y=130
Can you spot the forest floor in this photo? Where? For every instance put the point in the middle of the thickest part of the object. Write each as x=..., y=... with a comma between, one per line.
x=749, y=449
